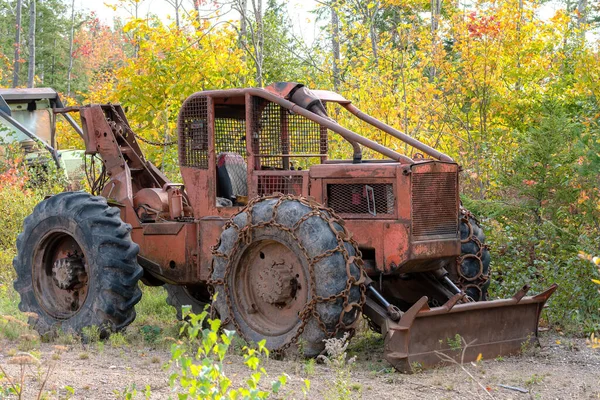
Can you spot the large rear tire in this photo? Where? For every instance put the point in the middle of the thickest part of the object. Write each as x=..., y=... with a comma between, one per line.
x=473, y=265
x=77, y=266
x=284, y=270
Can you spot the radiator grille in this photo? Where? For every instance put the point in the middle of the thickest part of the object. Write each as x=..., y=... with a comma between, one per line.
x=268, y=185
x=434, y=205
x=374, y=199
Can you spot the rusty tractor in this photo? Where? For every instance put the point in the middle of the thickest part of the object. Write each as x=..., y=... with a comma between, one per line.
x=293, y=246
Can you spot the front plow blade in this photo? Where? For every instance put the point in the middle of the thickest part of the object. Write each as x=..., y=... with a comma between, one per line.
x=490, y=328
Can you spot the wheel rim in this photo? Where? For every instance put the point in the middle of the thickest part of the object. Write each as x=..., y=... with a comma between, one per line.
x=60, y=275
x=270, y=287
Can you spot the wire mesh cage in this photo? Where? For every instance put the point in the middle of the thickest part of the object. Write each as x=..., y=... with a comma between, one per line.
x=270, y=184
x=193, y=132
x=230, y=130
x=285, y=140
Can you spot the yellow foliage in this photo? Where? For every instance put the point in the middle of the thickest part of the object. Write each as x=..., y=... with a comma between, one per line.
x=171, y=64
x=593, y=342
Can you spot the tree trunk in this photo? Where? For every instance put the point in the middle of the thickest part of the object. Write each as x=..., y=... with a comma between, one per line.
x=258, y=40
x=373, y=33
x=436, y=10
x=335, y=46
x=41, y=68
x=243, y=4
x=581, y=12
x=242, y=40
x=52, y=68
x=177, y=5
x=70, y=70
x=197, y=9
x=17, y=45
x=31, y=70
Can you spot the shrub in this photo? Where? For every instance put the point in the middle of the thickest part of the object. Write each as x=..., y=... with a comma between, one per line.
x=18, y=197
x=198, y=360
x=337, y=359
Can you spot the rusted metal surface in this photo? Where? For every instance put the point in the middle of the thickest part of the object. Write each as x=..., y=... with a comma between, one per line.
x=60, y=284
x=173, y=249
x=272, y=289
x=205, y=114
x=403, y=215
x=491, y=328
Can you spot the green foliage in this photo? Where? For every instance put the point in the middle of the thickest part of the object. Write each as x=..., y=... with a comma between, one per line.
x=309, y=366
x=337, y=359
x=153, y=308
x=22, y=186
x=150, y=333
x=132, y=393
x=541, y=218
x=117, y=340
x=455, y=343
x=52, y=42
x=91, y=334
x=198, y=360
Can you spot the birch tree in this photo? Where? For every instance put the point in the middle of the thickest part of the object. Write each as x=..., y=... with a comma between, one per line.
x=32, y=20
x=70, y=70
x=16, y=64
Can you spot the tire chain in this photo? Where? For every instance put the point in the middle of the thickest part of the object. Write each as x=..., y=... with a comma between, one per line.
x=128, y=128
x=325, y=213
x=481, y=279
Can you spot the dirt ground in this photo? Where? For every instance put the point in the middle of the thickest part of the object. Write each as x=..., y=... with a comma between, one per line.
x=564, y=368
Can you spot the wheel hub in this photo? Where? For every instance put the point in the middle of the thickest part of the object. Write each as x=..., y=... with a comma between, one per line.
x=69, y=273
x=277, y=284
x=270, y=286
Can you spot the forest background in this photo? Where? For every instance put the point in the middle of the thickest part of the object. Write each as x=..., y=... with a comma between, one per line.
x=509, y=92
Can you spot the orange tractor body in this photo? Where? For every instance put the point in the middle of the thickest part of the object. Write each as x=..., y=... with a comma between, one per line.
x=294, y=243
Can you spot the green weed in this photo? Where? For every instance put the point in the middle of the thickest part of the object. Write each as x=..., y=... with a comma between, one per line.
x=337, y=359
x=117, y=340
x=455, y=343
x=309, y=366
x=535, y=379
x=91, y=334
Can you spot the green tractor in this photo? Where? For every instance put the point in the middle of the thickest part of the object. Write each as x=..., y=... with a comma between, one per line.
x=27, y=117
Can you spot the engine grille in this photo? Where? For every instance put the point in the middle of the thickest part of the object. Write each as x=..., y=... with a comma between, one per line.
x=374, y=199
x=434, y=205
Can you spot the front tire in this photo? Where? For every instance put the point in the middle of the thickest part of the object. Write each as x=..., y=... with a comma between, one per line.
x=77, y=266
x=286, y=269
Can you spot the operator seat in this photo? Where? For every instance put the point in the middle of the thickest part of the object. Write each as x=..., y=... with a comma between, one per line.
x=232, y=181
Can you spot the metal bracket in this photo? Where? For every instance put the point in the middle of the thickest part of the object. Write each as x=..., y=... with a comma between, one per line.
x=370, y=193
